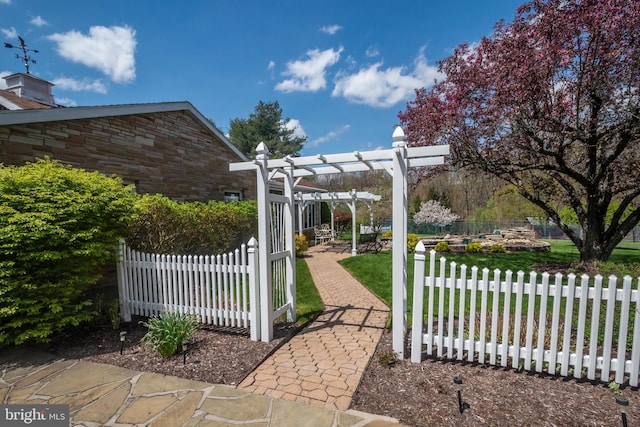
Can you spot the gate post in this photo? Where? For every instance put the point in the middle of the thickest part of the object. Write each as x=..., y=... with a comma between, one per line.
x=254, y=288
x=264, y=249
x=399, y=243
x=123, y=283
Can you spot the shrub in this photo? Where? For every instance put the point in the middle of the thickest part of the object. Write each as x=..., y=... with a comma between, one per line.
x=301, y=244
x=412, y=241
x=167, y=332
x=473, y=248
x=388, y=358
x=161, y=225
x=442, y=247
x=497, y=249
x=58, y=227
x=114, y=314
x=387, y=235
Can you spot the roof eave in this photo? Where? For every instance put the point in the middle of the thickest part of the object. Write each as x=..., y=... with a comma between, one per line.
x=73, y=113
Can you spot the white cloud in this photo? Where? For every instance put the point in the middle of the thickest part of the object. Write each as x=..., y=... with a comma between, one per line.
x=271, y=65
x=3, y=83
x=298, y=130
x=372, y=51
x=330, y=29
x=108, y=49
x=66, y=102
x=5, y=1
x=378, y=87
x=330, y=136
x=309, y=75
x=38, y=21
x=10, y=33
x=66, y=83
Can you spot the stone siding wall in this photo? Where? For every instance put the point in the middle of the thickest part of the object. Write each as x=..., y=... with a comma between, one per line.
x=171, y=153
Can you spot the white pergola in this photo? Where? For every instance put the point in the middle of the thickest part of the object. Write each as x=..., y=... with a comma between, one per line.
x=349, y=198
x=395, y=161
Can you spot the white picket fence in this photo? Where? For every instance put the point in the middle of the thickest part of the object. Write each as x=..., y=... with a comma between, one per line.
x=530, y=323
x=219, y=290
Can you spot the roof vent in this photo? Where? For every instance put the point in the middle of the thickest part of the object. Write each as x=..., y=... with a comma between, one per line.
x=29, y=87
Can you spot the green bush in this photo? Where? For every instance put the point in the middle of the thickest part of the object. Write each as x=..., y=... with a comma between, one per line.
x=58, y=227
x=473, y=248
x=412, y=241
x=442, y=247
x=497, y=249
x=161, y=225
x=167, y=332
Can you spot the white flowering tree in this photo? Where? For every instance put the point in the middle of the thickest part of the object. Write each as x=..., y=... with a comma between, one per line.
x=433, y=213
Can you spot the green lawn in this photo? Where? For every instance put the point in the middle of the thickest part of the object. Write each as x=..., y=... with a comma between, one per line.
x=309, y=304
x=374, y=270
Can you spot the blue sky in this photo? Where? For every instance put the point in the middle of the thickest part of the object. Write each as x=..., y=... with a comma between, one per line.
x=340, y=69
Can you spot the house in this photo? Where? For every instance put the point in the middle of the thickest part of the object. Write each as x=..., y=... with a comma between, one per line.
x=168, y=148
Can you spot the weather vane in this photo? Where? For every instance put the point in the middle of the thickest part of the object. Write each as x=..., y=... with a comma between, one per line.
x=25, y=52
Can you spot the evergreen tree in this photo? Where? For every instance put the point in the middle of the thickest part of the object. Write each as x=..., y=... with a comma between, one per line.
x=266, y=125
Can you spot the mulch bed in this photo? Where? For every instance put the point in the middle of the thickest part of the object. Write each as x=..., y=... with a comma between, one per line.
x=214, y=355
x=422, y=394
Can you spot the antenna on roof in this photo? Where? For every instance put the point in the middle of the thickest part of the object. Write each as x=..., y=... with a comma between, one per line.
x=25, y=53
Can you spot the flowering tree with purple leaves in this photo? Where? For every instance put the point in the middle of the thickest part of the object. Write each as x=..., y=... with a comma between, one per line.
x=551, y=104
x=433, y=213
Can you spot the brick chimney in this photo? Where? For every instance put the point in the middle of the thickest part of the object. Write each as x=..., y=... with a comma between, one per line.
x=29, y=87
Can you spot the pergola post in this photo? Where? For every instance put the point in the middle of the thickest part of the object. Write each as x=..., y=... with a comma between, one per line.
x=352, y=206
x=290, y=245
x=399, y=243
x=301, y=206
x=264, y=247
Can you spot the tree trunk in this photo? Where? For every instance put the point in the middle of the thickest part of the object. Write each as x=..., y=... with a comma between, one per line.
x=593, y=248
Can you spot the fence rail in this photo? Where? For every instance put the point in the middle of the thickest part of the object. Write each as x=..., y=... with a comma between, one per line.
x=577, y=327
x=219, y=290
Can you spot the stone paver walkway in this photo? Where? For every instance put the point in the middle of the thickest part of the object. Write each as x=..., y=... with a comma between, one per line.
x=323, y=364
x=106, y=395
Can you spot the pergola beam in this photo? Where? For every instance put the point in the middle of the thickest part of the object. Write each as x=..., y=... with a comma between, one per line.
x=351, y=162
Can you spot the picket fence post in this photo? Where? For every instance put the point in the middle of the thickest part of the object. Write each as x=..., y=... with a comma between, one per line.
x=123, y=284
x=254, y=289
x=418, y=298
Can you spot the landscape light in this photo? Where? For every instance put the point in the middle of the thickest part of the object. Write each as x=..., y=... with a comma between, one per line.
x=623, y=402
x=123, y=335
x=184, y=352
x=461, y=405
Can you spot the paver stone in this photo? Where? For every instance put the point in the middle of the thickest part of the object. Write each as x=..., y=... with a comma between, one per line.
x=103, y=409
x=179, y=413
x=145, y=408
x=246, y=408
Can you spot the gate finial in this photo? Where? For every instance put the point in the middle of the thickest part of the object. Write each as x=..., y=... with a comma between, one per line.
x=399, y=139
